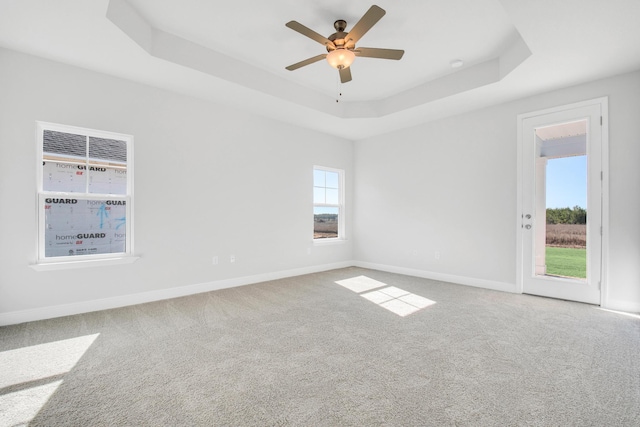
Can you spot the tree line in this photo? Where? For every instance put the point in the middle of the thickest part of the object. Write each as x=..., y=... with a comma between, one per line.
x=575, y=215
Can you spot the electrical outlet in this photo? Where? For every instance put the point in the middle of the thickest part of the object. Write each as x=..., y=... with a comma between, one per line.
x=437, y=255
x=232, y=258
x=308, y=251
x=214, y=260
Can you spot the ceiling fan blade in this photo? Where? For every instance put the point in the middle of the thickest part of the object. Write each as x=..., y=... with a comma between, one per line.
x=373, y=15
x=306, y=62
x=372, y=52
x=345, y=74
x=296, y=26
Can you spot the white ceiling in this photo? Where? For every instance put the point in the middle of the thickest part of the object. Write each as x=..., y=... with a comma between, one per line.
x=236, y=52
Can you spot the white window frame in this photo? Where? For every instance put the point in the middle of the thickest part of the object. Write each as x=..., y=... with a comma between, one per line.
x=77, y=261
x=341, y=210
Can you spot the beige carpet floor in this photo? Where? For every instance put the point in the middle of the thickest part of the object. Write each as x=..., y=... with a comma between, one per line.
x=349, y=347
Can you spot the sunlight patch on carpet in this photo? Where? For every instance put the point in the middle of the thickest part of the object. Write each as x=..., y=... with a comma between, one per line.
x=20, y=407
x=30, y=375
x=360, y=284
x=394, y=299
x=398, y=301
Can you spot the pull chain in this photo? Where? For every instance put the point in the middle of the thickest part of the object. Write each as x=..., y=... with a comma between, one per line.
x=338, y=82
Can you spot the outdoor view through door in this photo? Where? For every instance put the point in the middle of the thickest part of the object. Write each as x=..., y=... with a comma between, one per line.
x=562, y=187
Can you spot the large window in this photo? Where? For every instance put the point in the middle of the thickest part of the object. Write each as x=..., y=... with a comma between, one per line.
x=328, y=196
x=84, y=194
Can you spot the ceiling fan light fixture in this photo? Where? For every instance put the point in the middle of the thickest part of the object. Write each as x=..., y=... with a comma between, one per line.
x=340, y=58
x=341, y=46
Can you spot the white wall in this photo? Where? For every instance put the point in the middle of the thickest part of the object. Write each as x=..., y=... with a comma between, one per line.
x=450, y=186
x=208, y=181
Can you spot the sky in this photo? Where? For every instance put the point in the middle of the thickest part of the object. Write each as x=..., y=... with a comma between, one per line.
x=567, y=182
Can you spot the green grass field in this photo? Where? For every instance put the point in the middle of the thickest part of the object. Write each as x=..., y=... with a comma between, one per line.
x=566, y=262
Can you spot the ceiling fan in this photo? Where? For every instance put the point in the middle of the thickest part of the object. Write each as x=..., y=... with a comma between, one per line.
x=341, y=46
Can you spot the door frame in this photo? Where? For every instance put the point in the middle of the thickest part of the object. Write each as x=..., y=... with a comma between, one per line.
x=604, y=109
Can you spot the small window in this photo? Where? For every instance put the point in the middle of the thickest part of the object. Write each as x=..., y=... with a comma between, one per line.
x=328, y=196
x=84, y=194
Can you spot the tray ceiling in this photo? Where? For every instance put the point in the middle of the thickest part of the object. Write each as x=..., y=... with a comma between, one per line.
x=235, y=52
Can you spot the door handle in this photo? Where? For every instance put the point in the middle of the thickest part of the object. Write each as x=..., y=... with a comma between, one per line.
x=528, y=226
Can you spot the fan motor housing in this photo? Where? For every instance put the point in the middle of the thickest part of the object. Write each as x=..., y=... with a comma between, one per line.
x=340, y=25
x=339, y=37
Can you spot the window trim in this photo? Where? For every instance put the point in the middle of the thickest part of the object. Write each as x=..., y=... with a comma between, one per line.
x=341, y=238
x=79, y=261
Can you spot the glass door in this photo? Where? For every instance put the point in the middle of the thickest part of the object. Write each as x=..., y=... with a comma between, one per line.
x=561, y=204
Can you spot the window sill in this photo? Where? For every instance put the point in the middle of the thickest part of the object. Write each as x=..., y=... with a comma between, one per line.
x=68, y=265
x=323, y=242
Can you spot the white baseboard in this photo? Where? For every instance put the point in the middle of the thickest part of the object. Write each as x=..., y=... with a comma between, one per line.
x=618, y=305
x=15, y=317
x=460, y=280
